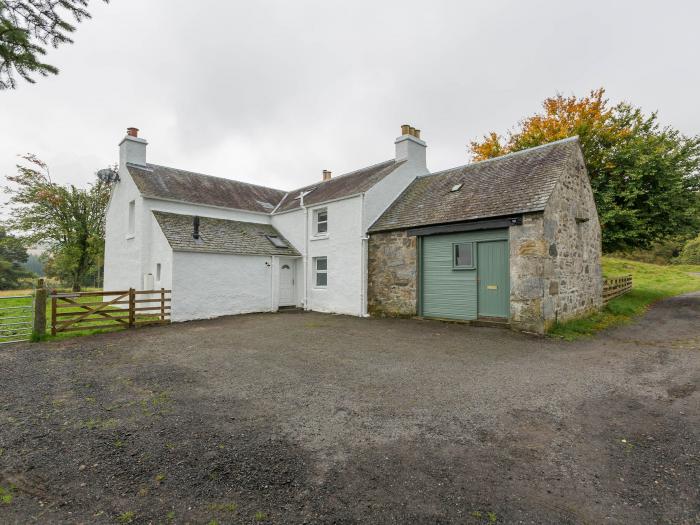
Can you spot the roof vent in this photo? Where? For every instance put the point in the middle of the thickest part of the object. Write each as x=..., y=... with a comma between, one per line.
x=457, y=187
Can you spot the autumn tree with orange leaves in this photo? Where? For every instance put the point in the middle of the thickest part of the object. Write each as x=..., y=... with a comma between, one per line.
x=645, y=177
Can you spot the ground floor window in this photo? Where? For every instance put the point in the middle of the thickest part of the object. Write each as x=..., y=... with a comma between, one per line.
x=463, y=255
x=321, y=271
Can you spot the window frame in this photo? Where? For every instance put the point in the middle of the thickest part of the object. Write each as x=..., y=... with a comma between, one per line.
x=456, y=266
x=159, y=272
x=131, y=224
x=318, y=212
x=318, y=272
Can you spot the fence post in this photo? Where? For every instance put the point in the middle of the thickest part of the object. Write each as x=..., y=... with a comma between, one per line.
x=53, y=315
x=162, y=304
x=39, y=326
x=132, y=307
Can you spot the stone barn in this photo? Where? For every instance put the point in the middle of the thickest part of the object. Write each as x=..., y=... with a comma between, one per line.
x=513, y=240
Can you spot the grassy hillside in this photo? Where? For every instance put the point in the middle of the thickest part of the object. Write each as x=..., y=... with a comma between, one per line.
x=651, y=282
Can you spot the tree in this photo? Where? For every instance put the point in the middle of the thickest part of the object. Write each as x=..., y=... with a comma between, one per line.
x=71, y=220
x=26, y=27
x=645, y=177
x=13, y=253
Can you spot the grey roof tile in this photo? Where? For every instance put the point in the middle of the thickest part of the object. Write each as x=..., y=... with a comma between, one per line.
x=520, y=182
x=221, y=236
x=162, y=182
x=338, y=187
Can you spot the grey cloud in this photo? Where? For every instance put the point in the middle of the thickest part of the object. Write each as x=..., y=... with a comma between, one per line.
x=275, y=91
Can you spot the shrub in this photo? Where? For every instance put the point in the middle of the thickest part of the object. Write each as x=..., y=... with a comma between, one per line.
x=691, y=252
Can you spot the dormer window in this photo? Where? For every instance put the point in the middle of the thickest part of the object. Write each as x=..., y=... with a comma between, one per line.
x=321, y=222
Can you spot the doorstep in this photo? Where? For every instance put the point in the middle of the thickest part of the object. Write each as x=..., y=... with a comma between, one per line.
x=290, y=310
x=494, y=322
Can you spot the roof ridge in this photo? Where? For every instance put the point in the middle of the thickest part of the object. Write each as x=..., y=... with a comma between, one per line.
x=343, y=175
x=502, y=157
x=210, y=176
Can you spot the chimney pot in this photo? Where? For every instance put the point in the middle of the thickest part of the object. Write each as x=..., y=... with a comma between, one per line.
x=132, y=132
x=405, y=129
x=416, y=133
x=326, y=175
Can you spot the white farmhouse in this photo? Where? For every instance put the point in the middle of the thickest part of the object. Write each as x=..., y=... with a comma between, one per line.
x=227, y=247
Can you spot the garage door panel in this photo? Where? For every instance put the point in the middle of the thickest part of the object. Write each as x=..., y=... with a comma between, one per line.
x=446, y=292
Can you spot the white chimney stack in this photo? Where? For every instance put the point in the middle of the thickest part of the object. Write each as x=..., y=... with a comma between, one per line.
x=132, y=149
x=410, y=147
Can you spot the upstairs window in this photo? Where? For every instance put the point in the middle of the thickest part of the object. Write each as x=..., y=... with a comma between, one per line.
x=132, y=218
x=321, y=222
x=321, y=272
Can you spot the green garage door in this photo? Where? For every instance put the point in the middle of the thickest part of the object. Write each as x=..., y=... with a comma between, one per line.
x=465, y=275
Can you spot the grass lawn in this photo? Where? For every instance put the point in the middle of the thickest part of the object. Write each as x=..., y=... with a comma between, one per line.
x=650, y=283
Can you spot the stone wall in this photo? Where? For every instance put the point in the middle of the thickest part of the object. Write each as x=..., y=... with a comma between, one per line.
x=392, y=269
x=528, y=258
x=573, y=275
x=555, y=257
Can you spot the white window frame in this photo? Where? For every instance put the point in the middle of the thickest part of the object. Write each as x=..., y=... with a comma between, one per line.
x=318, y=272
x=318, y=212
x=131, y=226
x=159, y=272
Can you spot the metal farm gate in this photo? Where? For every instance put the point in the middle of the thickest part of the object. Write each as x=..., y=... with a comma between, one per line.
x=16, y=318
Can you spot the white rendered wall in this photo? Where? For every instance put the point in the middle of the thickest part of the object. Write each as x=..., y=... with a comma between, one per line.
x=343, y=248
x=291, y=226
x=207, y=285
x=184, y=208
x=380, y=196
x=122, y=269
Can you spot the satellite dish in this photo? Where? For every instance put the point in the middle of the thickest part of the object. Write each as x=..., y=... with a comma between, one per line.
x=108, y=175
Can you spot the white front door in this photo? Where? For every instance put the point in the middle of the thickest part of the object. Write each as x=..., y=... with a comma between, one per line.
x=287, y=292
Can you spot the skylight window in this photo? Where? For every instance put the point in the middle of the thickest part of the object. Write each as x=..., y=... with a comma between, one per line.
x=457, y=187
x=276, y=241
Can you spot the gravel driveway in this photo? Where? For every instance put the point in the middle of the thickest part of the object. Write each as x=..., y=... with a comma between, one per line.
x=312, y=418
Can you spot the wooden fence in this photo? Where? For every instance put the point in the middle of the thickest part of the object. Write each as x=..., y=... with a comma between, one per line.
x=616, y=287
x=81, y=311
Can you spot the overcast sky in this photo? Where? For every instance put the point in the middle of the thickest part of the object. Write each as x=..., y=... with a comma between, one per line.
x=273, y=92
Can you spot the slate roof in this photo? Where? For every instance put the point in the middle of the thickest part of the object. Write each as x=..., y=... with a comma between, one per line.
x=220, y=236
x=173, y=184
x=520, y=182
x=341, y=186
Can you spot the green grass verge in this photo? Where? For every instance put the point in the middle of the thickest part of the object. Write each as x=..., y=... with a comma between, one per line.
x=650, y=283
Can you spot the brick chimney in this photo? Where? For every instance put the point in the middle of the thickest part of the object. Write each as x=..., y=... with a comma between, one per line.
x=132, y=149
x=410, y=147
x=326, y=175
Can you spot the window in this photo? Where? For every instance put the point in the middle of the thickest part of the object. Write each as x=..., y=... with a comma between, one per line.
x=321, y=222
x=321, y=271
x=158, y=272
x=463, y=255
x=132, y=218
x=276, y=241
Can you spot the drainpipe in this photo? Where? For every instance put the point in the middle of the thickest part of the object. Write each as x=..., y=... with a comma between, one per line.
x=363, y=264
x=305, y=258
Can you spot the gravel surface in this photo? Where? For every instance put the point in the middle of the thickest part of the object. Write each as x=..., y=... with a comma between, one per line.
x=312, y=418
